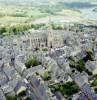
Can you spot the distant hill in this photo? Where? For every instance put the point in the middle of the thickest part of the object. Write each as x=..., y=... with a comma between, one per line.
x=42, y=1
x=59, y=3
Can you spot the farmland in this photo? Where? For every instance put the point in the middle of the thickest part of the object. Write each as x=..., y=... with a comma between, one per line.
x=16, y=14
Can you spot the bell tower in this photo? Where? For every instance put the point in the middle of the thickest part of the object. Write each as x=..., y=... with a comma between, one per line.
x=50, y=40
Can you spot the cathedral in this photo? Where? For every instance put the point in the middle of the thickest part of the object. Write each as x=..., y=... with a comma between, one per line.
x=46, y=38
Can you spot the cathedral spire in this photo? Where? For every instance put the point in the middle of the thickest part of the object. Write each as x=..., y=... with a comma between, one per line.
x=50, y=10
x=50, y=34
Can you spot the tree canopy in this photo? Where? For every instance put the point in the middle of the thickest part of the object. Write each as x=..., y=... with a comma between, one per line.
x=32, y=63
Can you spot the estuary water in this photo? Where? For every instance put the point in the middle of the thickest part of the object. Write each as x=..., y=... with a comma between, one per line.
x=89, y=13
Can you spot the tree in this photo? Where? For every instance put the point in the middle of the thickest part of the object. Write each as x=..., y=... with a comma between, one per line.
x=94, y=82
x=44, y=49
x=46, y=76
x=89, y=56
x=95, y=90
x=67, y=89
x=32, y=62
x=2, y=30
x=88, y=72
x=80, y=65
x=11, y=98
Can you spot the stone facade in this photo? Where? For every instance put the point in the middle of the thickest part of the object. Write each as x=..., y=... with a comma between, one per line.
x=42, y=39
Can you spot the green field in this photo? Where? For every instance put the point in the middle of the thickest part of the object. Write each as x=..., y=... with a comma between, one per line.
x=16, y=14
x=70, y=12
x=25, y=14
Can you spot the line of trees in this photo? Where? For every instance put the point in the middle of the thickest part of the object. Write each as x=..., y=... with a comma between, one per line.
x=16, y=29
